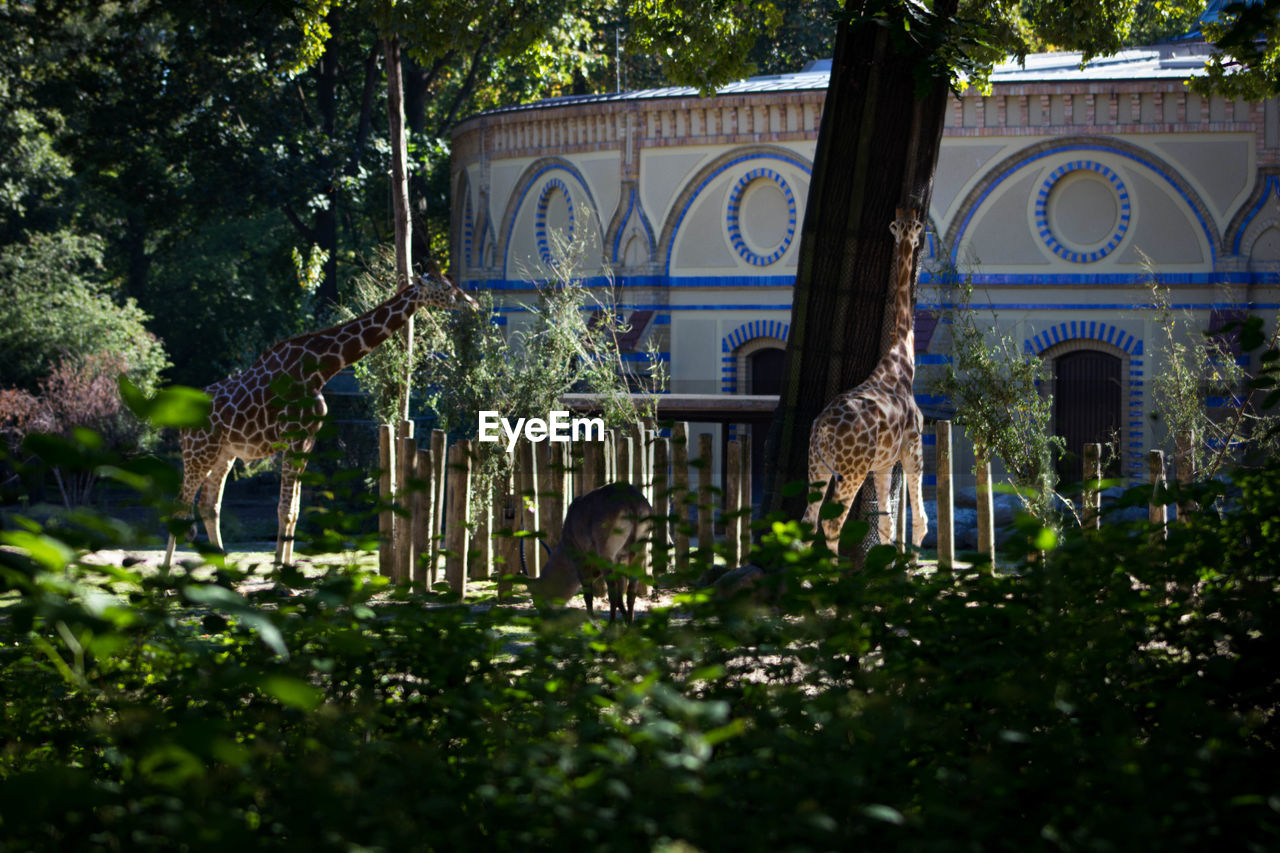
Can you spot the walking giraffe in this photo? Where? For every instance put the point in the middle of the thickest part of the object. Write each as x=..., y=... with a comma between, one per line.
x=878, y=423
x=256, y=412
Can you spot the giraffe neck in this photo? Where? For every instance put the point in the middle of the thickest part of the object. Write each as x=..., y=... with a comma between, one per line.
x=903, y=309
x=322, y=354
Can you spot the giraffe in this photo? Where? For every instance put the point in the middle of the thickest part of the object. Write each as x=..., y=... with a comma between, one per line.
x=878, y=423
x=251, y=419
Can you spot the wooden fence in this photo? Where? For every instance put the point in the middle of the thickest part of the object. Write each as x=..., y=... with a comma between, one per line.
x=429, y=486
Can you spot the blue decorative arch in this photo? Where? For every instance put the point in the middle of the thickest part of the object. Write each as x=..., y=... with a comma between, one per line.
x=528, y=181
x=1093, y=330
x=1269, y=187
x=700, y=183
x=1143, y=158
x=1079, y=329
x=634, y=209
x=775, y=330
x=549, y=189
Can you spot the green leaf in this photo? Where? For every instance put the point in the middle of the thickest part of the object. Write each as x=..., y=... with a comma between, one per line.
x=293, y=692
x=174, y=406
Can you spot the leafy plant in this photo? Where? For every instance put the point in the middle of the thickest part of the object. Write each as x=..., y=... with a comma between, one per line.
x=1198, y=366
x=995, y=389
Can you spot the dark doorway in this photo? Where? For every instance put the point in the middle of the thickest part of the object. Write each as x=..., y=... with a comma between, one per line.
x=1086, y=407
x=764, y=376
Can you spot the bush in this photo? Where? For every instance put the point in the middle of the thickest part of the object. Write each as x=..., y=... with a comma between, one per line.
x=53, y=306
x=77, y=396
x=1119, y=693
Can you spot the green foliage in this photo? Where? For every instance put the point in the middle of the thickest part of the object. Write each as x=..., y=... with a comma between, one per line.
x=381, y=373
x=568, y=344
x=1195, y=368
x=1246, y=63
x=54, y=305
x=994, y=388
x=1117, y=694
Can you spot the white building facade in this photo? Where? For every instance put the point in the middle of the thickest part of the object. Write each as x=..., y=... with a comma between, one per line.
x=1062, y=194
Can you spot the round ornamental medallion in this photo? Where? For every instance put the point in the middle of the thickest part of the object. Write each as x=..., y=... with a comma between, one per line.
x=761, y=218
x=554, y=213
x=1082, y=211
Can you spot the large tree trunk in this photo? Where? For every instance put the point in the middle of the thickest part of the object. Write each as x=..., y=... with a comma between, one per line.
x=399, y=192
x=877, y=150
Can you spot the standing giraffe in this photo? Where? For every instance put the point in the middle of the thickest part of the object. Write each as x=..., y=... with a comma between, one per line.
x=878, y=423
x=256, y=413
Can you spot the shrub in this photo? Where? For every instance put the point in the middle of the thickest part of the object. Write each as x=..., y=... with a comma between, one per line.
x=53, y=306
x=77, y=395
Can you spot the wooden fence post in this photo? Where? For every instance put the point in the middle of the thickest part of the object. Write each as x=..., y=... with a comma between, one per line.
x=424, y=526
x=593, y=466
x=480, y=552
x=744, y=499
x=986, y=520
x=386, y=488
x=1091, y=495
x=455, y=567
x=530, y=477
x=1157, y=513
x=506, y=520
x=945, y=521
x=406, y=459
x=732, y=494
x=419, y=521
x=554, y=489
x=661, y=505
x=706, y=500
x=439, y=461
x=680, y=493
x=1184, y=469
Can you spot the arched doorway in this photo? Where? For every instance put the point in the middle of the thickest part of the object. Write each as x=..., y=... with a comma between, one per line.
x=764, y=376
x=1086, y=406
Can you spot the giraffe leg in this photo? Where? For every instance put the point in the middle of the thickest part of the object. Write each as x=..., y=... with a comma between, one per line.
x=913, y=479
x=292, y=465
x=845, y=492
x=885, y=525
x=211, y=499
x=819, y=474
x=194, y=468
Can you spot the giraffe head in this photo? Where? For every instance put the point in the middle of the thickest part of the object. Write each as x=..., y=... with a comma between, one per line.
x=436, y=290
x=907, y=228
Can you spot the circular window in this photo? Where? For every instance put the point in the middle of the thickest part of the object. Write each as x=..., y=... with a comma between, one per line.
x=555, y=212
x=1082, y=211
x=761, y=217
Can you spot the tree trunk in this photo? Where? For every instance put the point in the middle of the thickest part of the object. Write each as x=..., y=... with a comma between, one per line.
x=399, y=194
x=877, y=150
x=326, y=219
